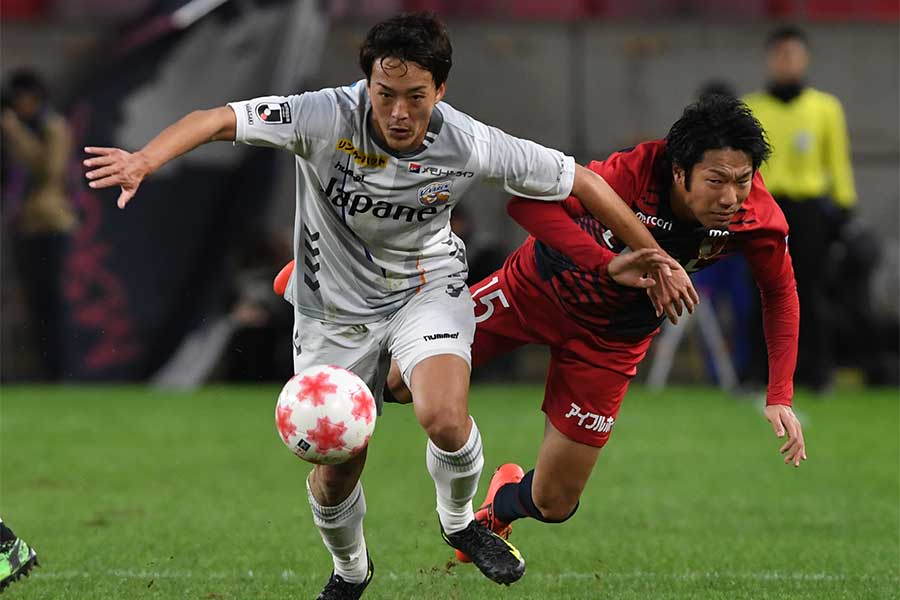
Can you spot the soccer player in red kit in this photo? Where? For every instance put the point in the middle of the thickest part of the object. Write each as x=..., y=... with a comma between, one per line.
x=570, y=287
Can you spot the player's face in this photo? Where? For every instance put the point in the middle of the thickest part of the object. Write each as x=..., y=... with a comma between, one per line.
x=403, y=95
x=26, y=105
x=720, y=183
x=787, y=61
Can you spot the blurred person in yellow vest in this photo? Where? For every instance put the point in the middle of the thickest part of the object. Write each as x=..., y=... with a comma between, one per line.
x=810, y=176
x=36, y=151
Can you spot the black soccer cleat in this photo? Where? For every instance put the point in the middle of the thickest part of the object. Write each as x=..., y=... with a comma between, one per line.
x=495, y=557
x=338, y=589
x=16, y=559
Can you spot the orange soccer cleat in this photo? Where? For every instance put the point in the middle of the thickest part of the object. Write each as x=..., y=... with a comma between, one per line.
x=508, y=473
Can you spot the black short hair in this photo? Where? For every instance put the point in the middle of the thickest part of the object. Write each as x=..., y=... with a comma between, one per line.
x=715, y=122
x=784, y=33
x=411, y=37
x=25, y=81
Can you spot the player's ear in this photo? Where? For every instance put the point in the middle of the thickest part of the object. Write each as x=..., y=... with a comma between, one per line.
x=439, y=94
x=677, y=174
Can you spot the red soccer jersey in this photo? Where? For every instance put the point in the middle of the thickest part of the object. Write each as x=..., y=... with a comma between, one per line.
x=572, y=259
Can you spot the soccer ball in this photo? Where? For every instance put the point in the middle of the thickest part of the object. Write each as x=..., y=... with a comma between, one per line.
x=325, y=415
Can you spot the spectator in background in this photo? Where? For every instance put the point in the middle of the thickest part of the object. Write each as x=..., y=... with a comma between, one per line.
x=809, y=175
x=36, y=150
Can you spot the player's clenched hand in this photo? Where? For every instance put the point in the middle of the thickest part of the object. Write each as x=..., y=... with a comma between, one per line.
x=674, y=291
x=783, y=421
x=633, y=268
x=112, y=166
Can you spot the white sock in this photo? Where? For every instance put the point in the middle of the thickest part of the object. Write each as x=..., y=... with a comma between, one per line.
x=341, y=528
x=456, y=476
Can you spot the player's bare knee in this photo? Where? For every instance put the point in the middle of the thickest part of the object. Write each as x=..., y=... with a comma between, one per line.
x=332, y=483
x=447, y=429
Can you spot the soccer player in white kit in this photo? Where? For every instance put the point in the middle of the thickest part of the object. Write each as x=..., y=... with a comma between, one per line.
x=380, y=164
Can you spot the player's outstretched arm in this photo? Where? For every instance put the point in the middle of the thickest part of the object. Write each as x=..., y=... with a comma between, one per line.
x=113, y=166
x=784, y=421
x=674, y=290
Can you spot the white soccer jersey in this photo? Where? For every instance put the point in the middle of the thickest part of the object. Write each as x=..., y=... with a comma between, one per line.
x=372, y=225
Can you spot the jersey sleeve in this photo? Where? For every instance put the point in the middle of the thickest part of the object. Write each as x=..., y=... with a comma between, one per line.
x=620, y=172
x=770, y=262
x=527, y=169
x=552, y=224
x=837, y=156
x=300, y=123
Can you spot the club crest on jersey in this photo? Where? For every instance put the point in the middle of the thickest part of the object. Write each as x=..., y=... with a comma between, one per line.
x=435, y=194
x=274, y=113
x=372, y=161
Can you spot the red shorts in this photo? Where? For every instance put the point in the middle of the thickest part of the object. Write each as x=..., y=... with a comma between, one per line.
x=588, y=375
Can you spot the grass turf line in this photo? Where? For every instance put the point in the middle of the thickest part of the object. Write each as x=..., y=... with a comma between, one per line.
x=134, y=493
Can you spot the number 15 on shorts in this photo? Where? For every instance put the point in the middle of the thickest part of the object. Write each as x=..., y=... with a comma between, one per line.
x=488, y=299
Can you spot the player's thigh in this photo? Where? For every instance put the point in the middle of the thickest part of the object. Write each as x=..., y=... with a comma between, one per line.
x=434, y=322
x=431, y=338
x=357, y=348
x=562, y=470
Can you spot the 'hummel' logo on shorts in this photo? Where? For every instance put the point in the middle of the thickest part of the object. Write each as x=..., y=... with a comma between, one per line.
x=441, y=336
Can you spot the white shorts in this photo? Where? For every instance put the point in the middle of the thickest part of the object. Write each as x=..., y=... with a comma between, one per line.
x=439, y=320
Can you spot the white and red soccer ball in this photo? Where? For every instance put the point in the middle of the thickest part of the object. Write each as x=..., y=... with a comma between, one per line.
x=325, y=415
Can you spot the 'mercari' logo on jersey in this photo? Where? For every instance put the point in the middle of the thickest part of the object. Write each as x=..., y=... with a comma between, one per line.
x=654, y=221
x=437, y=171
x=435, y=194
x=441, y=336
x=357, y=203
x=372, y=161
x=590, y=421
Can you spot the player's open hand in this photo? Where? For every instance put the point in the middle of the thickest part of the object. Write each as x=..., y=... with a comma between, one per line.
x=674, y=291
x=113, y=166
x=784, y=421
x=633, y=268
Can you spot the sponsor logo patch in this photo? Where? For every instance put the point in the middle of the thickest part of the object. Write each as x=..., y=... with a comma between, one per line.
x=653, y=221
x=273, y=113
x=441, y=336
x=590, y=421
x=435, y=194
x=372, y=161
x=353, y=202
x=438, y=171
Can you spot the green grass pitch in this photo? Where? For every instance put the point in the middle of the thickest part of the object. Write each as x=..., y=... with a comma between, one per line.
x=128, y=493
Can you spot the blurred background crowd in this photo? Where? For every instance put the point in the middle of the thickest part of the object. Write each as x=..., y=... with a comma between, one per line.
x=177, y=289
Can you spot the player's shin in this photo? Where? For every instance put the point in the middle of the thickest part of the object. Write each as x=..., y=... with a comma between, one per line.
x=456, y=476
x=341, y=527
x=515, y=501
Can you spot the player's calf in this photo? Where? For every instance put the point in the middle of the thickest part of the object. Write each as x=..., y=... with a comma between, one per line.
x=516, y=501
